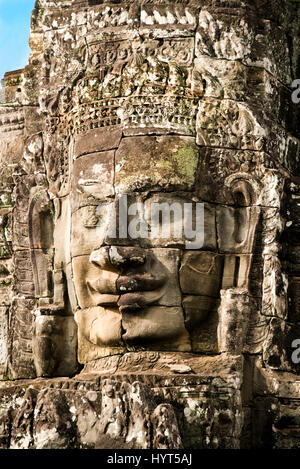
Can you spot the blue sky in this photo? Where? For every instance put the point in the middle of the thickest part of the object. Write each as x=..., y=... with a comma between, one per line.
x=14, y=33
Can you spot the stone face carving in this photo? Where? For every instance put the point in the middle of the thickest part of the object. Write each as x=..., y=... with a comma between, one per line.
x=121, y=109
x=127, y=289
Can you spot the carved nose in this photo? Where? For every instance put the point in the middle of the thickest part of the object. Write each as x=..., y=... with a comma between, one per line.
x=116, y=256
x=121, y=256
x=100, y=257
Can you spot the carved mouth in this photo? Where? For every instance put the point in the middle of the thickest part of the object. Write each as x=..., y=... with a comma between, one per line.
x=138, y=291
x=105, y=299
x=139, y=283
x=129, y=301
x=133, y=292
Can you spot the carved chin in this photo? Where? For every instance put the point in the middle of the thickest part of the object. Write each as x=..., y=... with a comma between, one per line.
x=100, y=326
x=155, y=328
x=106, y=329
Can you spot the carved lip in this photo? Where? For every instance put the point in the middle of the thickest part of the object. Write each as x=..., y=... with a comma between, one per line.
x=139, y=300
x=139, y=283
x=130, y=301
x=106, y=299
x=134, y=292
x=139, y=291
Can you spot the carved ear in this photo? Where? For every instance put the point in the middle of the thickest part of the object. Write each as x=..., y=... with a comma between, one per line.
x=243, y=193
x=237, y=226
x=245, y=216
x=241, y=190
x=64, y=292
x=41, y=243
x=237, y=221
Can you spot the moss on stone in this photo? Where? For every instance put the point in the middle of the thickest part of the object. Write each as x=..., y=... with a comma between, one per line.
x=176, y=167
x=187, y=159
x=184, y=161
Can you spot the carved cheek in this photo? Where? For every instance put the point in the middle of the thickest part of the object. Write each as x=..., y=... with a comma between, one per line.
x=92, y=227
x=201, y=273
x=92, y=283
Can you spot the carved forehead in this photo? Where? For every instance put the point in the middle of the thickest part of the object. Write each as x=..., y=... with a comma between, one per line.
x=159, y=160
